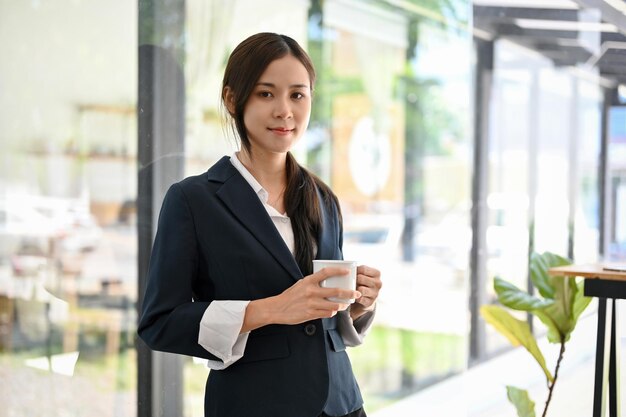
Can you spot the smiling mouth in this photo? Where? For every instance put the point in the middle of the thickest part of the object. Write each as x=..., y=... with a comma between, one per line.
x=281, y=130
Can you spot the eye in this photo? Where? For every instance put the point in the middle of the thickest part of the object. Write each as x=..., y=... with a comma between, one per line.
x=297, y=96
x=264, y=94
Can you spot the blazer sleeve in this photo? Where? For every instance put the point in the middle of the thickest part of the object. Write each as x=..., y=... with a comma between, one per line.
x=170, y=319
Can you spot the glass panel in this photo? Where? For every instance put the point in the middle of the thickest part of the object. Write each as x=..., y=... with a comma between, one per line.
x=397, y=154
x=67, y=217
x=212, y=30
x=511, y=134
x=393, y=86
x=586, y=159
x=510, y=138
x=617, y=180
x=544, y=141
x=390, y=132
x=553, y=143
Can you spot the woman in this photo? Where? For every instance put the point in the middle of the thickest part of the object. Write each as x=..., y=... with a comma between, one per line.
x=230, y=275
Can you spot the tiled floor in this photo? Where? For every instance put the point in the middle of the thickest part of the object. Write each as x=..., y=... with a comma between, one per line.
x=481, y=392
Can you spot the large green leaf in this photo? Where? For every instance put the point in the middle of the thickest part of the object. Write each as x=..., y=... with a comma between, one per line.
x=512, y=297
x=554, y=332
x=519, y=398
x=580, y=302
x=539, y=275
x=561, y=316
x=517, y=331
x=539, y=265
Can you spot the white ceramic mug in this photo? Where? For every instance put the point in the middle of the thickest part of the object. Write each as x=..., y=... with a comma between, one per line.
x=347, y=282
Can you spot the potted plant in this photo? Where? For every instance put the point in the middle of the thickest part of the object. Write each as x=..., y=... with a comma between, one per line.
x=558, y=305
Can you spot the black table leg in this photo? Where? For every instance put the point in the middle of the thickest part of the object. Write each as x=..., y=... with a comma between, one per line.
x=602, y=364
x=614, y=364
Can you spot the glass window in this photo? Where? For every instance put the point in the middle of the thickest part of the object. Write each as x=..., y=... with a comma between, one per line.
x=393, y=116
x=68, y=279
x=585, y=167
x=617, y=180
x=544, y=138
x=391, y=131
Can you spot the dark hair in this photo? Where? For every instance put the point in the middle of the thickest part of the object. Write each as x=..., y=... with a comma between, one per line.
x=245, y=66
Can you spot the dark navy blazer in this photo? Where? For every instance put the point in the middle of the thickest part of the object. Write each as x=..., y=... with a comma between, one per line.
x=215, y=241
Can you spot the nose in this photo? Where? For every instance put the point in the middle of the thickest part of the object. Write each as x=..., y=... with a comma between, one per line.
x=282, y=109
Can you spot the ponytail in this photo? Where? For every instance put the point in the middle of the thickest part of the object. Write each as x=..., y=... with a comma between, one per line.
x=303, y=208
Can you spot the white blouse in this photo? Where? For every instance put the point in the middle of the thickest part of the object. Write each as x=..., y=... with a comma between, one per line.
x=222, y=320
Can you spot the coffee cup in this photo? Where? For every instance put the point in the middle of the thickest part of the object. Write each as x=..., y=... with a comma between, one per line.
x=346, y=282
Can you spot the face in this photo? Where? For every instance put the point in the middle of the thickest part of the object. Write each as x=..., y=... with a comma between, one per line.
x=278, y=109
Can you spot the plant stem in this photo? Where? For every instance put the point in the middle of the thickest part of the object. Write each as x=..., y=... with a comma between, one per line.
x=556, y=375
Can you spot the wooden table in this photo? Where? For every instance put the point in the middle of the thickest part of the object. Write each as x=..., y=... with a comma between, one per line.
x=603, y=284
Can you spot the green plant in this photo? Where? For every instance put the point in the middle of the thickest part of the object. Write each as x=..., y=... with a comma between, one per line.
x=560, y=302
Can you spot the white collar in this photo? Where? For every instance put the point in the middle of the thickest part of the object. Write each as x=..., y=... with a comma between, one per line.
x=256, y=186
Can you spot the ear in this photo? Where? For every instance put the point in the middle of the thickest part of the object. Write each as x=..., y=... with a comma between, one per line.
x=229, y=100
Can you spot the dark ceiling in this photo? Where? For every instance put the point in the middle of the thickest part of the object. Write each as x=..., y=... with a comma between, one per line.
x=604, y=51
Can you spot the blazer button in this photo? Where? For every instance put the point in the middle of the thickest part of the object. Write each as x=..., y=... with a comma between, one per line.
x=310, y=329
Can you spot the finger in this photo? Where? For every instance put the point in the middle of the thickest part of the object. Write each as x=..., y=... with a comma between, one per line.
x=330, y=308
x=365, y=291
x=364, y=280
x=365, y=302
x=334, y=305
x=324, y=273
x=339, y=293
x=367, y=294
x=370, y=293
x=368, y=271
x=367, y=281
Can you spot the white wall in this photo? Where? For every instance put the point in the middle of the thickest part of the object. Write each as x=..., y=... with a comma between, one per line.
x=56, y=54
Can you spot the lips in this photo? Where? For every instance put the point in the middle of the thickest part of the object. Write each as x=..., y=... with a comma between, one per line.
x=281, y=130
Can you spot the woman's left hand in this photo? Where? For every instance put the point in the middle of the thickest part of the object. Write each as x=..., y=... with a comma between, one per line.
x=368, y=283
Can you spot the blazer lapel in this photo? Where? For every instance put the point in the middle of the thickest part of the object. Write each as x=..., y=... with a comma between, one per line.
x=242, y=201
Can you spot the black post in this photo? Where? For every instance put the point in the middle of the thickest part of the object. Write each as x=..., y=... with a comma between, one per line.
x=414, y=148
x=478, y=254
x=604, y=194
x=614, y=364
x=161, y=127
x=602, y=348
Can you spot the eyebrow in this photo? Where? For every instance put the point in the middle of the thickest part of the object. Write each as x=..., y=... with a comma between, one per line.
x=291, y=86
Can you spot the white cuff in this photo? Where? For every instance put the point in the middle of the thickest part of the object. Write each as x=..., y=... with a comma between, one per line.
x=220, y=332
x=353, y=332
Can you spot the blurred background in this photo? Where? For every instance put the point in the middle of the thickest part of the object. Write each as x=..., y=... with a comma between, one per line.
x=460, y=136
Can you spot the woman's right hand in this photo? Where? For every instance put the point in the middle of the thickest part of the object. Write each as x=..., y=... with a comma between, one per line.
x=307, y=300
x=303, y=301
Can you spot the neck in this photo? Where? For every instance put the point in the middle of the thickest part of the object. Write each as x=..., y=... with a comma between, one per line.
x=268, y=169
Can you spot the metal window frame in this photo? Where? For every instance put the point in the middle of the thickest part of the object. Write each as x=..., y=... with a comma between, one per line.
x=161, y=145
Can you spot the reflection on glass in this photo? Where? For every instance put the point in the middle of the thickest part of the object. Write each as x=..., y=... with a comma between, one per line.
x=390, y=132
x=393, y=112
x=67, y=190
x=544, y=147
x=381, y=98
x=617, y=174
